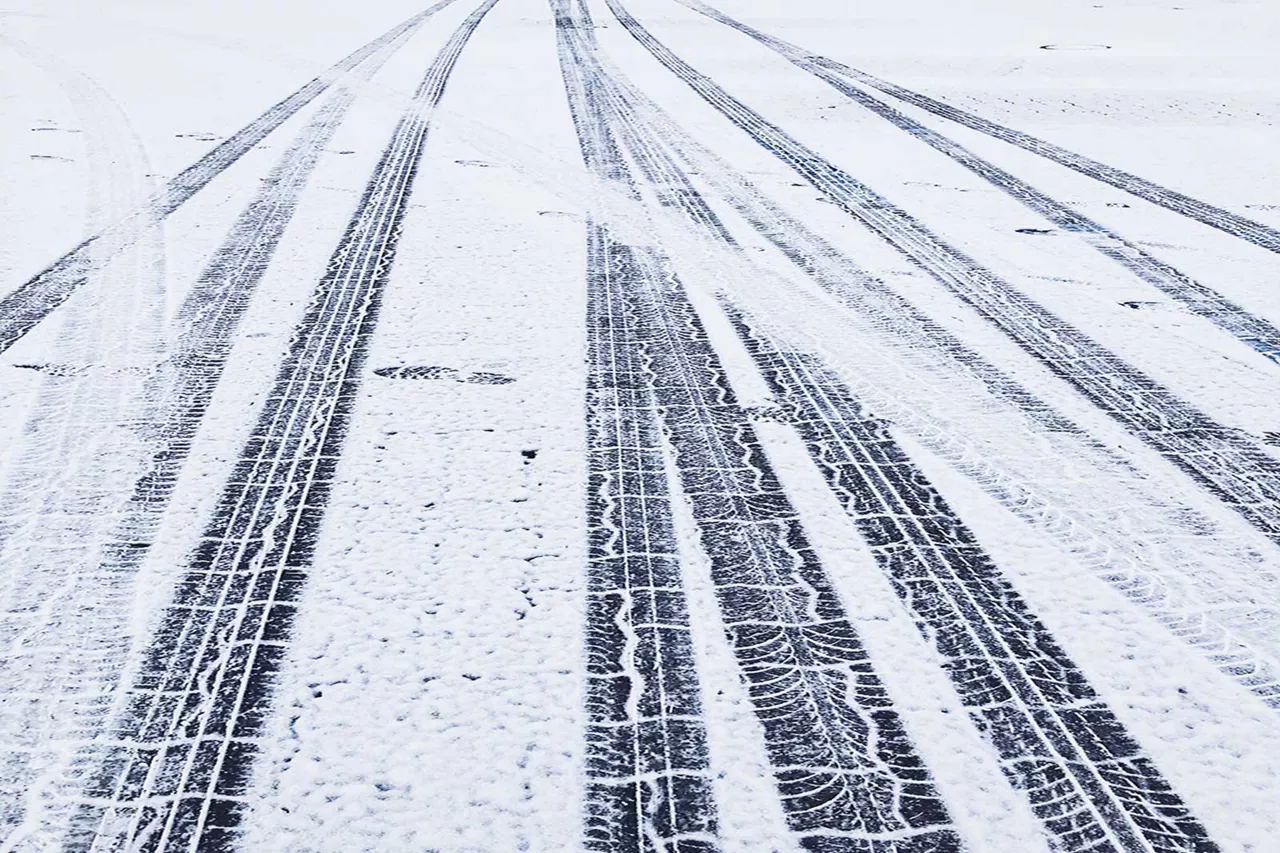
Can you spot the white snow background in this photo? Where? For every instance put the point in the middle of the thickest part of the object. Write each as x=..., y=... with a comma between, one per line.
x=433, y=693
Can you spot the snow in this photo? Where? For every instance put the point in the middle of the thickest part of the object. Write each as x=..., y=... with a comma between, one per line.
x=435, y=688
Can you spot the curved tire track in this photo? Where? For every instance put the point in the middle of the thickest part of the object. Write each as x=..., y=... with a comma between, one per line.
x=176, y=769
x=1226, y=462
x=97, y=574
x=40, y=295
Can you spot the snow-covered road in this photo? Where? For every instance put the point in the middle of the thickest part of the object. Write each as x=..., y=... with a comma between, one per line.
x=639, y=425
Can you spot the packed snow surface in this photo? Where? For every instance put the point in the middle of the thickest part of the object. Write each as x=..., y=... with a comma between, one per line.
x=665, y=426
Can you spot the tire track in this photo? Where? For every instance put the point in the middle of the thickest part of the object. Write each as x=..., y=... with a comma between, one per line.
x=75, y=454
x=649, y=785
x=649, y=782
x=1088, y=781
x=1128, y=562
x=1200, y=299
x=40, y=295
x=847, y=772
x=1224, y=461
x=96, y=574
x=1144, y=561
x=176, y=770
x=1192, y=208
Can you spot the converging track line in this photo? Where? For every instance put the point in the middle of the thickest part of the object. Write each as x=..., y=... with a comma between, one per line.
x=649, y=787
x=1192, y=208
x=1113, y=556
x=1226, y=462
x=1087, y=780
x=1248, y=328
x=846, y=770
x=22, y=309
x=176, y=769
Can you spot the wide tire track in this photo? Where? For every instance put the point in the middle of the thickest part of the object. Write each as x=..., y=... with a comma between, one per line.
x=648, y=767
x=1116, y=560
x=1088, y=781
x=176, y=770
x=1200, y=299
x=40, y=295
x=1226, y=462
x=1192, y=208
x=649, y=784
x=849, y=777
x=847, y=771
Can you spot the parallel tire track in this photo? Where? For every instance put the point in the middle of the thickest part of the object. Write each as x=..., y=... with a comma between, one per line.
x=849, y=777
x=649, y=786
x=1200, y=299
x=1122, y=561
x=1215, y=217
x=40, y=295
x=210, y=315
x=848, y=773
x=96, y=573
x=177, y=768
x=1224, y=461
x=1088, y=781
x=648, y=776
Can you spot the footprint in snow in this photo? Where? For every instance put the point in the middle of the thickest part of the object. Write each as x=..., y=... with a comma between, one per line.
x=430, y=371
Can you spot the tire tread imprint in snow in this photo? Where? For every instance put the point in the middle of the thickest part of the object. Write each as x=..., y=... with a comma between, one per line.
x=648, y=772
x=174, y=399
x=1192, y=208
x=1224, y=461
x=848, y=775
x=1200, y=299
x=175, y=775
x=840, y=276
x=22, y=309
x=1088, y=781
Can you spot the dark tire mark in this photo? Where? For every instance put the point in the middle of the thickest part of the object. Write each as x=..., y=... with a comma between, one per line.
x=1088, y=781
x=639, y=121
x=40, y=295
x=848, y=775
x=649, y=787
x=1214, y=217
x=176, y=770
x=1226, y=462
x=649, y=782
x=1255, y=331
x=176, y=395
